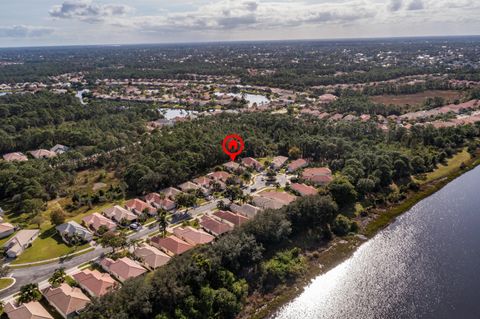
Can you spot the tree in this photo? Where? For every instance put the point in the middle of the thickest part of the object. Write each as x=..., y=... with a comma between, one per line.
x=57, y=217
x=162, y=221
x=233, y=193
x=114, y=240
x=294, y=152
x=343, y=191
x=4, y=270
x=341, y=225
x=37, y=220
x=29, y=292
x=58, y=277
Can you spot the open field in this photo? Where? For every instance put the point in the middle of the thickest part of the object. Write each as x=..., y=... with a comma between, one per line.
x=445, y=170
x=414, y=99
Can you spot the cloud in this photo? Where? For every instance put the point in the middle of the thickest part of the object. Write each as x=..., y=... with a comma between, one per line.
x=24, y=31
x=88, y=11
x=395, y=5
x=250, y=15
x=415, y=5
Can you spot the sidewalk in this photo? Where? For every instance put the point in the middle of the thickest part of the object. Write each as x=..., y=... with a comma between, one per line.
x=46, y=261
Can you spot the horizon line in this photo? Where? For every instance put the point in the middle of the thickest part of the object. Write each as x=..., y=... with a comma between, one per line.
x=340, y=39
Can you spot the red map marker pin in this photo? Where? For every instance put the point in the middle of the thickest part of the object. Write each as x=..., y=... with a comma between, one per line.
x=233, y=145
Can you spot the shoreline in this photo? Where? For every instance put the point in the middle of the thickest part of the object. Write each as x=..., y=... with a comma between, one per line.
x=327, y=257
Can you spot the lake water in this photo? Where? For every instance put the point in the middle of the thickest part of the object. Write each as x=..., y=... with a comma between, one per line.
x=425, y=265
x=173, y=113
x=250, y=98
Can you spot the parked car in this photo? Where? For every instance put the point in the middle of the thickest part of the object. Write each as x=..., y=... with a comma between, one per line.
x=135, y=226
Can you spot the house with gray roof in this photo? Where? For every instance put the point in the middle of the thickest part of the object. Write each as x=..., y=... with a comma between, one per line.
x=21, y=241
x=73, y=231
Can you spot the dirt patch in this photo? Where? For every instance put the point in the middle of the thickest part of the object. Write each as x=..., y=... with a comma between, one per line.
x=418, y=98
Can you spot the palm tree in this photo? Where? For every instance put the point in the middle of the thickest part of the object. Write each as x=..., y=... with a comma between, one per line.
x=162, y=221
x=29, y=293
x=58, y=277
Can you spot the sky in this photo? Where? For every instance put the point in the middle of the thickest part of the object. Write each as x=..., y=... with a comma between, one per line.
x=82, y=22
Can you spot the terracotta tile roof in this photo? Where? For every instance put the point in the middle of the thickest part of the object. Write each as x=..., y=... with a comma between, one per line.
x=170, y=192
x=95, y=282
x=251, y=162
x=16, y=156
x=215, y=226
x=157, y=200
x=188, y=186
x=138, y=206
x=43, y=153
x=219, y=176
x=95, y=221
x=30, y=310
x=66, y=299
x=151, y=256
x=193, y=236
x=282, y=197
x=118, y=213
x=279, y=161
x=318, y=175
x=297, y=164
x=231, y=166
x=202, y=181
x=123, y=268
x=304, y=190
x=233, y=218
x=171, y=245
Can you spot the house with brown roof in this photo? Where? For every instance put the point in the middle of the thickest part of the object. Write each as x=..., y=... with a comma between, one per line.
x=29, y=310
x=170, y=192
x=172, y=245
x=119, y=214
x=231, y=166
x=68, y=301
x=42, y=153
x=219, y=176
x=202, y=181
x=151, y=257
x=188, y=186
x=303, y=190
x=214, y=226
x=233, y=218
x=122, y=268
x=296, y=165
x=252, y=163
x=246, y=210
x=94, y=282
x=15, y=157
x=278, y=162
x=95, y=221
x=266, y=203
x=318, y=175
x=21, y=241
x=160, y=201
x=193, y=236
x=6, y=229
x=273, y=199
x=138, y=207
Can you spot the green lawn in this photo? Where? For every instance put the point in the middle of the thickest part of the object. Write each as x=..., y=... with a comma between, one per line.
x=445, y=170
x=48, y=245
x=5, y=282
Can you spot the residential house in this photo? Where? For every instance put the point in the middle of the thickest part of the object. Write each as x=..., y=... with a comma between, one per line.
x=151, y=256
x=72, y=231
x=188, y=186
x=138, y=207
x=219, y=176
x=172, y=245
x=246, y=210
x=327, y=98
x=231, y=166
x=296, y=165
x=252, y=163
x=318, y=175
x=6, y=229
x=158, y=201
x=29, y=310
x=214, y=226
x=278, y=162
x=203, y=181
x=119, y=214
x=273, y=199
x=193, y=236
x=95, y=221
x=94, y=282
x=122, y=268
x=21, y=241
x=42, y=153
x=170, y=192
x=303, y=190
x=59, y=149
x=233, y=218
x=68, y=301
x=15, y=157
x=267, y=203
